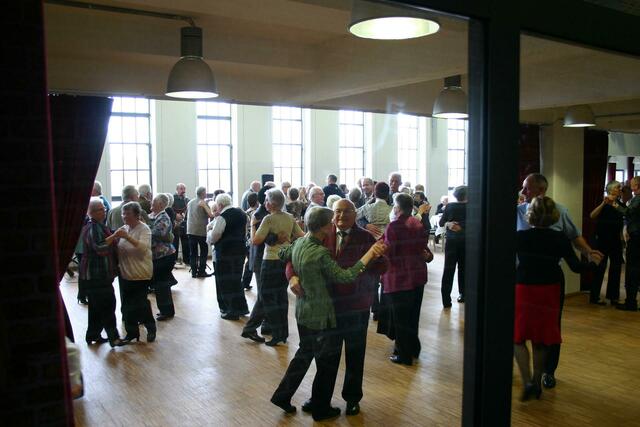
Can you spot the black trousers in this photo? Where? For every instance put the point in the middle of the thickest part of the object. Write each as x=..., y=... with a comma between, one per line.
x=248, y=271
x=352, y=331
x=162, y=281
x=197, y=260
x=102, y=308
x=405, y=309
x=180, y=236
x=274, y=297
x=136, y=308
x=613, y=254
x=229, y=291
x=321, y=345
x=553, y=354
x=375, y=307
x=453, y=255
x=632, y=271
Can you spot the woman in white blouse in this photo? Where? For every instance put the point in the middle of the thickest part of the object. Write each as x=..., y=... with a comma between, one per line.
x=136, y=271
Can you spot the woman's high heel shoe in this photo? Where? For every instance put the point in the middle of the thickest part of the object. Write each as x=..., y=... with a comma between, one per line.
x=98, y=340
x=531, y=390
x=151, y=336
x=128, y=338
x=117, y=342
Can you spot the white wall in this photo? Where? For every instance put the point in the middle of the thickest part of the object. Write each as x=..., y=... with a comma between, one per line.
x=174, y=158
x=562, y=152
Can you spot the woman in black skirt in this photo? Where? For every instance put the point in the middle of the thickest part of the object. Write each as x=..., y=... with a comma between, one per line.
x=163, y=256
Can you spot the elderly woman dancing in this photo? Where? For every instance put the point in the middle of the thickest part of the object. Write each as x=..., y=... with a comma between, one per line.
x=136, y=271
x=163, y=256
x=315, y=313
x=97, y=270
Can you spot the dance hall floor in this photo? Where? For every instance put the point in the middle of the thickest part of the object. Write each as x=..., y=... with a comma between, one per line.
x=200, y=372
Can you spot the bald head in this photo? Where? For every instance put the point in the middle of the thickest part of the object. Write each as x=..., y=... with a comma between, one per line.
x=534, y=185
x=255, y=186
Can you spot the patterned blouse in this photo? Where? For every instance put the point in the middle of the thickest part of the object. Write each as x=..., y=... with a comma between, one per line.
x=160, y=229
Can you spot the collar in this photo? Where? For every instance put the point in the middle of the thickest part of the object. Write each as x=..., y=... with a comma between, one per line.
x=226, y=208
x=345, y=231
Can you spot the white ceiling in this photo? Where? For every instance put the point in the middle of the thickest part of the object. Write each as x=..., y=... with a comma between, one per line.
x=299, y=52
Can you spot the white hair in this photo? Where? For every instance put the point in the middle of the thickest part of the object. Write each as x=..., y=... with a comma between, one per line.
x=332, y=199
x=164, y=200
x=315, y=189
x=97, y=187
x=170, y=197
x=94, y=202
x=223, y=200
x=144, y=189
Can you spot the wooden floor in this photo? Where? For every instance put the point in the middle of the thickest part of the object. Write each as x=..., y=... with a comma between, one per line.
x=200, y=372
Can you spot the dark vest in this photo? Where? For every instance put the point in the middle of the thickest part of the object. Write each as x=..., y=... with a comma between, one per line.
x=232, y=241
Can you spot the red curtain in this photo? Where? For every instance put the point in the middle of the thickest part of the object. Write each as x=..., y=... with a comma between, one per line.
x=529, y=154
x=611, y=171
x=79, y=127
x=596, y=150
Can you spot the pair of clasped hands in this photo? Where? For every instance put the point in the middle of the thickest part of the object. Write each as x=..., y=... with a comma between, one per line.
x=375, y=251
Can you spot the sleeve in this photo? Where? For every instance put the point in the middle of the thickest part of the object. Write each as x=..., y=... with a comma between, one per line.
x=161, y=227
x=289, y=271
x=145, y=240
x=445, y=217
x=334, y=274
x=285, y=253
x=569, y=255
x=296, y=229
x=94, y=240
x=568, y=227
x=263, y=230
x=218, y=228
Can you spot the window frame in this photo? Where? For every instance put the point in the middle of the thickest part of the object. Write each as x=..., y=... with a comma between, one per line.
x=203, y=119
x=277, y=168
x=344, y=149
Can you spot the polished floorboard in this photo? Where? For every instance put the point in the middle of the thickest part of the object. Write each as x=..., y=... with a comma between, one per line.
x=200, y=372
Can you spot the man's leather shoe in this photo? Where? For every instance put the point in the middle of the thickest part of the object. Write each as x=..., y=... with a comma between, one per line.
x=625, y=307
x=253, y=336
x=397, y=359
x=598, y=302
x=548, y=381
x=285, y=406
x=307, y=406
x=229, y=316
x=274, y=341
x=160, y=317
x=328, y=413
x=353, y=408
x=460, y=298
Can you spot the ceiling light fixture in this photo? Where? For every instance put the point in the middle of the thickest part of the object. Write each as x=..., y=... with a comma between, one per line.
x=383, y=22
x=579, y=116
x=191, y=77
x=451, y=103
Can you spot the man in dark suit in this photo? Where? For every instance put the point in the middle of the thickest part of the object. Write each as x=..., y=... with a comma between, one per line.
x=352, y=302
x=332, y=188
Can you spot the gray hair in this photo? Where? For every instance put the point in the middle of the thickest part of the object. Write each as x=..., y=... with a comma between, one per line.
x=396, y=175
x=94, y=202
x=180, y=184
x=223, y=200
x=611, y=185
x=317, y=217
x=128, y=191
x=332, y=199
x=460, y=193
x=170, y=197
x=355, y=194
x=133, y=207
x=97, y=187
x=404, y=202
x=276, y=198
x=164, y=200
x=201, y=192
x=315, y=189
x=144, y=189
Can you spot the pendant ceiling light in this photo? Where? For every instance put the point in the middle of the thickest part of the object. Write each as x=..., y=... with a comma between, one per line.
x=579, y=116
x=191, y=77
x=451, y=103
x=383, y=22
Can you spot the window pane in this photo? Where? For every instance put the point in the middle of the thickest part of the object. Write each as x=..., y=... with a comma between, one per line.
x=115, y=156
x=131, y=178
x=115, y=129
x=143, y=156
x=142, y=130
x=129, y=152
x=117, y=183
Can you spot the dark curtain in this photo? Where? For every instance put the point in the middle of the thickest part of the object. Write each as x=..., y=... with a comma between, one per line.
x=611, y=171
x=596, y=148
x=79, y=127
x=529, y=152
x=630, y=168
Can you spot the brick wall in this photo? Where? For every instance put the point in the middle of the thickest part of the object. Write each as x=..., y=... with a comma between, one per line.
x=32, y=381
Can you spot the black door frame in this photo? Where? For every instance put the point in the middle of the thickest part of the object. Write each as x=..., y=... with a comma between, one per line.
x=495, y=28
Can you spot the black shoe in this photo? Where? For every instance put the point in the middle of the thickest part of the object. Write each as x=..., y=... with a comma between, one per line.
x=328, y=413
x=194, y=275
x=400, y=361
x=353, y=408
x=128, y=338
x=274, y=341
x=117, y=342
x=460, y=298
x=307, y=406
x=375, y=316
x=248, y=288
x=253, y=336
x=598, y=302
x=625, y=307
x=446, y=306
x=98, y=340
x=285, y=406
x=160, y=317
x=151, y=335
x=530, y=390
x=230, y=316
x=200, y=275
x=83, y=301
x=548, y=381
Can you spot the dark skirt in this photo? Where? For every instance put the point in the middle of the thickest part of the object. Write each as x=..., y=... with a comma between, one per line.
x=537, y=313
